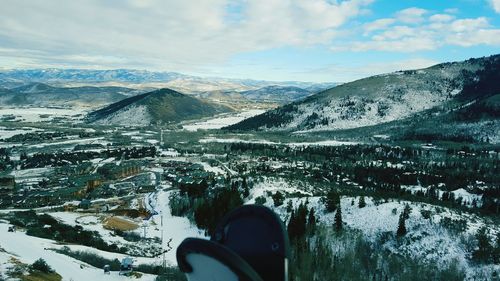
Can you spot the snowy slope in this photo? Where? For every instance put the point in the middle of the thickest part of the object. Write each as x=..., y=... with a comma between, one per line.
x=175, y=229
x=135, y=115
x=28, y=249
x=163, y=105
x=372, y=100
x=428, y=240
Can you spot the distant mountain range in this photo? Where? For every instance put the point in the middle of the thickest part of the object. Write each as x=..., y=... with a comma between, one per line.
x=467, y=87
x=279, y=94
x=127, y=77
x=159, y=106
x=270, y=94
x=39, y=94
x=213, y=88
x=86, y=75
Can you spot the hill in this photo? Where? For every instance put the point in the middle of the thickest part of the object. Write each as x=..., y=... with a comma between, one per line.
x=385, y=98
x=276, y=93
x=40, y=94
x=142, y=79
x=164, y=105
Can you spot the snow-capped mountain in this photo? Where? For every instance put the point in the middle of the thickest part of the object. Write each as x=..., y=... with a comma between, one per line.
x=382, y=98
x=275, y=93
x=40, y=94
x=141, y=79
x=164, y=106
x=87, y=75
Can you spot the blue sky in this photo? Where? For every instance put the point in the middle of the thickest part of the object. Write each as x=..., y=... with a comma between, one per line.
x=308, y=40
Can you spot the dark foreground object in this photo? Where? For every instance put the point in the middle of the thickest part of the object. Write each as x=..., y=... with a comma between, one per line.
x=249, y=244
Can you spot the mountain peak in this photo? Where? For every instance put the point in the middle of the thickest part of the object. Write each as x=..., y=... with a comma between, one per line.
x=35, y=87
x=383, y=98
x=162, y=105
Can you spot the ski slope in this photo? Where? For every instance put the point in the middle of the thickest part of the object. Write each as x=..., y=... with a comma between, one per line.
x=28, y=249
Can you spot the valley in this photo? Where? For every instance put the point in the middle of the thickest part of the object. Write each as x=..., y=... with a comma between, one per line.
x=408, y=194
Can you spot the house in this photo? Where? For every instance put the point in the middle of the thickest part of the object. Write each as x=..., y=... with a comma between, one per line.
x=126, y=266
x=126, y=185
x=85, y=204
x=125, y=169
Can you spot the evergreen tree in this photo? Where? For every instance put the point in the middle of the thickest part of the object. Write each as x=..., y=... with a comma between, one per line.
x=278, y=199
x=407, y=211
x=338, y=219
x=289, y=206
x=244, y=186
x=292, y=226
x=496, y=254
x=401, y=226
x=362, y=202
x=311, y=221
x=331, y=200
x=301, y=220
x=298, y=222
x=485, y=250
x=41, y=265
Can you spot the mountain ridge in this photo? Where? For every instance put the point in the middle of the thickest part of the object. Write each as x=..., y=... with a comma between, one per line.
x=143, y=80
x=162, y=105
x=40, y=94
x=377, y=99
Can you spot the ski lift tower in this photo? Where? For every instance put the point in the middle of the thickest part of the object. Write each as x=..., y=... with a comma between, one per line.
x=164, y=263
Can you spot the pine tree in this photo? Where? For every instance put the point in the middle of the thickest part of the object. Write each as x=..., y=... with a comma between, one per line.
x=361, y=202
x=496, y=252
x=244, y=186
x=485, y=249
x=338, y=219
x=401, y=225
x=311, y=221
x=331, y=200
x=278, y=199
x=289, y=206
x=407, y=211
x=292, y=225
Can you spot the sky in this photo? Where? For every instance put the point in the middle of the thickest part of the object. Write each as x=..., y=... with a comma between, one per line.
x=280, y=40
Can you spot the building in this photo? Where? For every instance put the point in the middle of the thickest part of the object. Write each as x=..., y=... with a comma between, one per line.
x=85, y=204
x=126, y=266
x=111, y=171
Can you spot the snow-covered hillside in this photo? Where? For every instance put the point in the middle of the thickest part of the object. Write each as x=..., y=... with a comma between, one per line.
x=373, y=100
x=430, y=238
x=159, y=106
x=134, y=115
x=28, y=249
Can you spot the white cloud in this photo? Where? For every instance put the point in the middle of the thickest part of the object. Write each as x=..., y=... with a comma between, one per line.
x=378, y=24
x=411, y=15
x=469, y=25
x=496, y=5
x=403, y=45
x=478, y=37
x=396, y=32
x=164, y=34
x=441, y=18
x=435, y=31
x=452, y=11
x=346, y=73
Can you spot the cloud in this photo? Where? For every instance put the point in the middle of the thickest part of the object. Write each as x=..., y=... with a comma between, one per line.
x=346, y=73
x=452, y=11
x=435, y=31
x=496, y=5
x=164, y=34
x=378, y=24
x=441, y=18
x=411, y=15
